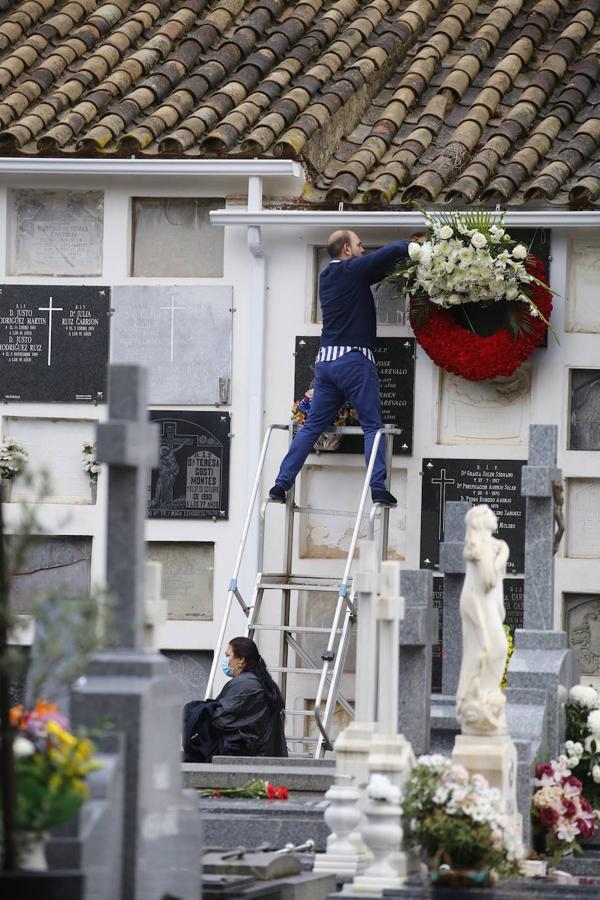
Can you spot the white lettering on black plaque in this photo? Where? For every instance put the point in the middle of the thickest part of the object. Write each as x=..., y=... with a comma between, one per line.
x=53, y=342
x=495, y=482
x=395, y=361
x=192, y=477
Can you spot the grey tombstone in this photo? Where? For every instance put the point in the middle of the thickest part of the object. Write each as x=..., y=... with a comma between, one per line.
x=417, y=636
x=443, y=715
x=543, y=668
x=130, y=687
x=182, y=334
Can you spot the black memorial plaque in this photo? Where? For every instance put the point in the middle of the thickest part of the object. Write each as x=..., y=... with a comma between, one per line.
x=53, y=342
x=192, y=478
x=395, y=360
x=495, y=482
x=513, y=604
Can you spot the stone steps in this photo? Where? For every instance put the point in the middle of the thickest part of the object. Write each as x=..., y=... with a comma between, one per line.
x=301, y=776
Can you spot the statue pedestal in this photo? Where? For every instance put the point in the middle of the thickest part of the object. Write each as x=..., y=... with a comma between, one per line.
x=494, y=757
x=352, y=749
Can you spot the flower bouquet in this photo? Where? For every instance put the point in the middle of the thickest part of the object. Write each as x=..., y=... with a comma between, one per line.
x=346, y=416
x=560, y=811
x=455, y=819
x=582, y=747
x=478, y=303
x=255, y=789
x=12, y=461
x=51, y=765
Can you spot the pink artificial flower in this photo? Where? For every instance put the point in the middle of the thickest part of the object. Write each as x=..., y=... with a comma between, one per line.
x=567, y=831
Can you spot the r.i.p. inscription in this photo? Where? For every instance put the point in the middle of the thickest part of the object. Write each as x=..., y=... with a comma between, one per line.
x=53, y=342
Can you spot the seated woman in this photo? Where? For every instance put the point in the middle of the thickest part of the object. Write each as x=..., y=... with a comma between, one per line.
x=246, y=719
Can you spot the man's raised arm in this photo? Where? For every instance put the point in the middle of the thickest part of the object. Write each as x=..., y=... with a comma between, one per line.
x=375, y=265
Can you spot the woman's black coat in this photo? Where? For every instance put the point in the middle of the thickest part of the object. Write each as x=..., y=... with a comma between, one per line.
x=238, y=723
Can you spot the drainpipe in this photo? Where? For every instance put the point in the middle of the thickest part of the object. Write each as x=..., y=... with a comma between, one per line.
x=256, y=398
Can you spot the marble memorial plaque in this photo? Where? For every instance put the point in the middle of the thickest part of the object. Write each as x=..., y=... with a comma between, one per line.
x=53, y=342
x=192, y=478
x=56, y=232
x=182, y=334
x=495, y=482
x=173, y=236
x=582, y=624
x=51, y=565
x=390, y=308
x=485, y=412
x=583, y=518
x=187, y=577
x=395, y=360
x=513, y=604
x=191, y=669
x=328, y=537
x=585, y=409
x=583, y=309
x=54, y=447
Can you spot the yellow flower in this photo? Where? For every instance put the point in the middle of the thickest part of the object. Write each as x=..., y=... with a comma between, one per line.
x=65, y=737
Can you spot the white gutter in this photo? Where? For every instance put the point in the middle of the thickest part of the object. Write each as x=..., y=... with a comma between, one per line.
x=155, y=167
x=352, y=218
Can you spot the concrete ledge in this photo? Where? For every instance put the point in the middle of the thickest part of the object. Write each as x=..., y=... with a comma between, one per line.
x=311, y=779
x=229, y=823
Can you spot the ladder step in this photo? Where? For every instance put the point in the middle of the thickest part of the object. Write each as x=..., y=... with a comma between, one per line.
x=313, y=510
x=277, y=581
x=308, y=713
x=295, y=670
x=301, y=629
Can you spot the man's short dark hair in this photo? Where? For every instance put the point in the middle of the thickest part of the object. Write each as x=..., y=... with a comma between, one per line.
x=335, y=247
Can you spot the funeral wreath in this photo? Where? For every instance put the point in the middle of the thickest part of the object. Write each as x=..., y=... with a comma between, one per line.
x=478, y=301
x=455, y=819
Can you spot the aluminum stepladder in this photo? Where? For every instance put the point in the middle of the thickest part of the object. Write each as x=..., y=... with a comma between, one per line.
x=331, y=667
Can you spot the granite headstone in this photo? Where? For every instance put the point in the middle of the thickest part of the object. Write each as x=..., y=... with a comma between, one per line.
x=53, y=342
x=192, y=478
x=181, y=334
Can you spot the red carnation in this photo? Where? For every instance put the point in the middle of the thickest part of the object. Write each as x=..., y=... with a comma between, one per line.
x=217, y=793
x=570, y=809
x=585, y=804
x=573, y=781
x=544, y=769
x=271, y=791
x=548, y=817
x=281, y=792
x=586, y=827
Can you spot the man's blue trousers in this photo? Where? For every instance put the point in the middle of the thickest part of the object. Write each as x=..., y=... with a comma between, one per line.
x=351, y=378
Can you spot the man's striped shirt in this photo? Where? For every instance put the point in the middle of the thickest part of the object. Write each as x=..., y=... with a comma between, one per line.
x=327, y=354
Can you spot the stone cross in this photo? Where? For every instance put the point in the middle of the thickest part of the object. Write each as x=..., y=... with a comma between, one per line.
x=129, y=444
x=417, y=636
x=452, y=565
x=537, y=480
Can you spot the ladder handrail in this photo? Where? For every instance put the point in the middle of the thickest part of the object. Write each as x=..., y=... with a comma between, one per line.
x=233, y=589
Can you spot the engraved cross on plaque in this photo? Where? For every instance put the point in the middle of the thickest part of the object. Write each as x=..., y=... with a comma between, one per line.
x=442, y=481
x=50, y=309
x=129, y=444
x=172, y=309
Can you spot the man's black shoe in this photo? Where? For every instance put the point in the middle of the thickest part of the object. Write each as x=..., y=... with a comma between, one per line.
x=277, y=494
x=383, y=497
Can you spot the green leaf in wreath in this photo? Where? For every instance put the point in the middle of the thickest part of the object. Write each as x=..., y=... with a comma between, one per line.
x=519, y=320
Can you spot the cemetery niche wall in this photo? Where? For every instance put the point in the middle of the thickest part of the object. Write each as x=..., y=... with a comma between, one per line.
x=182, y=334
x=53, y=342
x=192, y=478
x=395, y=361
x=495, y=482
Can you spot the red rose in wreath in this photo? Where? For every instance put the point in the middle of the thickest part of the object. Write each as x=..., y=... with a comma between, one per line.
x=474, y=357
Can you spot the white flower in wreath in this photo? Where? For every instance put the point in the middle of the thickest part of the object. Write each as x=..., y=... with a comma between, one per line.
x=520, y=251
x=426, y=254
x=414, y=251
x=446, y=232
x=511, y=292
x=479, y=240
x=585, y=695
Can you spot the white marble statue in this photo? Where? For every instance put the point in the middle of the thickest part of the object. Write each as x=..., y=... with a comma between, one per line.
x=480, y=701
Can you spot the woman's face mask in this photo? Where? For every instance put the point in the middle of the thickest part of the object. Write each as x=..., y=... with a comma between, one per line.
x=226, y=667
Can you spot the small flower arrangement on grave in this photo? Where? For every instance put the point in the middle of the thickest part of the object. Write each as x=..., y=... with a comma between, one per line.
x=12, y=458
x=478, y=301
x=381, y=789
x=51, y=766
x=346, y=416
x=561, y=814
x=582, y=747
x=455, y=819
x=90, y=464
x=257, y=789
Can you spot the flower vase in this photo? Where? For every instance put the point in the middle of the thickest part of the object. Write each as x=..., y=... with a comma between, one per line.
x=382, y=834
x=33, y=855
x=6, y=486
x=94, y=491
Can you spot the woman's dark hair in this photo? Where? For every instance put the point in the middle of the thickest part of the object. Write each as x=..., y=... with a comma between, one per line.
x=245, y=648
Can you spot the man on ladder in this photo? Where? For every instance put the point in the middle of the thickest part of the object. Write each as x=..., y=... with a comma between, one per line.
x=345, y=367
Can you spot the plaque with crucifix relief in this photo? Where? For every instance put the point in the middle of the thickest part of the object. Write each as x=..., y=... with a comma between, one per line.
x=53, y=342
x=182, y=334
x=496, y=482
x=192, y=478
